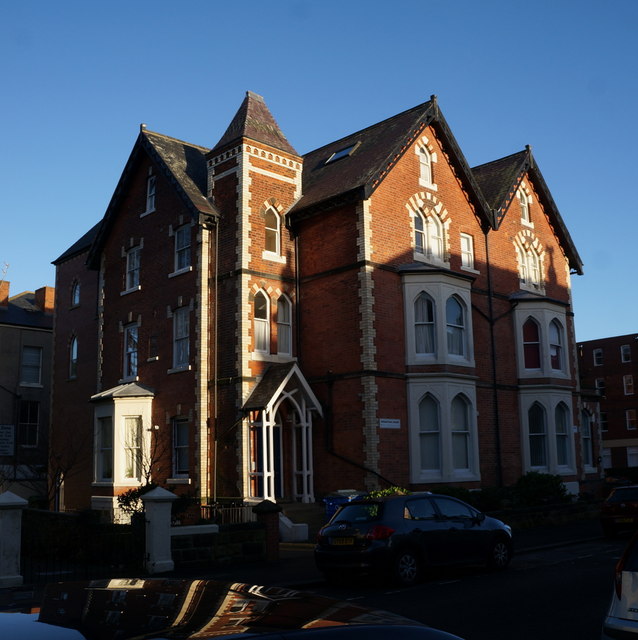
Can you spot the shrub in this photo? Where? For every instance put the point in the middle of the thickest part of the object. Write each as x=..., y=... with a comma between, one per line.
x=535, y=489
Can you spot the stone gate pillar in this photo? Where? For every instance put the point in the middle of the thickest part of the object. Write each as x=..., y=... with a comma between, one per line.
x=11, y=507
x=157, y=510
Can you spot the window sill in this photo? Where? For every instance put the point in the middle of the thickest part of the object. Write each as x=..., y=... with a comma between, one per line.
x=428, y=185
x=145, y=213
x=185, y=367
x=130, y=379
x=273, y=257
x=271, y=357
x=179, y=272
x=32, y=385
x=432, y=260
x=532, y=288
x=127, y=291
x=527, y=223
x=184, y=480
x=152, y=359
x=470, y=269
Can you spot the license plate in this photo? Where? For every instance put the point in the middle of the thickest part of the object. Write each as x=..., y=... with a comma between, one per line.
x=341, y=541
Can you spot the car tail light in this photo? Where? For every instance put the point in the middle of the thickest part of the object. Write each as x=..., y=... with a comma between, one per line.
x=620, y=567
x=379, y=532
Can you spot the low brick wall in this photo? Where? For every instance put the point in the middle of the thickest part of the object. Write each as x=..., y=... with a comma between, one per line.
x=232, y=543
x=525, y=518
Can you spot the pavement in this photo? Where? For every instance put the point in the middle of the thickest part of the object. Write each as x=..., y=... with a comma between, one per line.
x=295, y=567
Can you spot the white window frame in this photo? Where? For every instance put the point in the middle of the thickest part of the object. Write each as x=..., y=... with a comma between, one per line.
x=537, y=345
x=427, y=158
x=133, y=265
x=454, y=328
x=181, y=338
x=439, y=286
x=130, y=363
x=632, y=456
x=31, y=366
x=104, y=450
x=284, y=326
x=425, y=323
x=182, y=259
x=31, y=427
x=543, y=312
x=467, y=252
x=524, y=202
x=261, y=326
x=597, y=354
x=628, y=384
x=556, y=344
x=443, y=391
x=181, y=447
x=631, y=422
x=549, y=400
x=606, y=458
x=429, y=237
x=151, y=190
x=600, y=385
x=587, y=440
x=132, y=441
x=272, y=232
x=625, y=353
x=75, y=294
x=73, y=358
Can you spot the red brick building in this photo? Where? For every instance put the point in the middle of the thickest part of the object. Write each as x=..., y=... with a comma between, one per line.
x=261, y=324
x=609, y=369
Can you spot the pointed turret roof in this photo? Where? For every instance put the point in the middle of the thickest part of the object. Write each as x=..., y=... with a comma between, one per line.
x=253, y=120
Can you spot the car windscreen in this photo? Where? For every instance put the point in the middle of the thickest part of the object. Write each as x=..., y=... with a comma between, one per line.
x=362, y=512
x=624, y=495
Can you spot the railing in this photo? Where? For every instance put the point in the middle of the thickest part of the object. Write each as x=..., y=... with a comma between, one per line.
x=227, y=513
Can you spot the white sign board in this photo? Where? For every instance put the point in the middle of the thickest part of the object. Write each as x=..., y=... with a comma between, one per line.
x=7, y=439
x=390, y=423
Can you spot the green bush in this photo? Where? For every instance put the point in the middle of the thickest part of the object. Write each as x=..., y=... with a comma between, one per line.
x=537, y=489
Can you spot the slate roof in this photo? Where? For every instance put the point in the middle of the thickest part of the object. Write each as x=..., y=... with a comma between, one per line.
x=184, y=164
x=82, y=245
x=499, y=181
x=253, y=120
x=23, y=312
x=375, y=151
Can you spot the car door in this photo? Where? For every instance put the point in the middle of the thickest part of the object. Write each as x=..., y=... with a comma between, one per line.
x=463, y=535
x=427, y=529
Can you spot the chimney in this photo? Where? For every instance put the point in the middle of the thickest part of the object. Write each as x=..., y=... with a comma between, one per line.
x=44, y=299
x=4, y=294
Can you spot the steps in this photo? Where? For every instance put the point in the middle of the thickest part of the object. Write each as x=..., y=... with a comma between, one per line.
x=312, y=514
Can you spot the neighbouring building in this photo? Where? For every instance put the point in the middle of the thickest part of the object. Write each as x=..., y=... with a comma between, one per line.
x=608, y=368
x=248, y=322
x=26, y=345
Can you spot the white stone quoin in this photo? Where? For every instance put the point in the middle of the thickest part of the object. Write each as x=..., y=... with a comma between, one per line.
x=157, y=510
x=11, y=507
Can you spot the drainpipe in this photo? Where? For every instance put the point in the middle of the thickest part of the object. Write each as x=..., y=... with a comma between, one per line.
x=497, y=426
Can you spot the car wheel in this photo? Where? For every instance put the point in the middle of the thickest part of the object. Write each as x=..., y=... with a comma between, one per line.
x=500, y=554
x=407, y=568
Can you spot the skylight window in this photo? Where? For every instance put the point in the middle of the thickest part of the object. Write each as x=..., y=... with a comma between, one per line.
x=342, y=153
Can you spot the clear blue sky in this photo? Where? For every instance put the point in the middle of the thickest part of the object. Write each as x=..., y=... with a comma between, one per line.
x=78, y=77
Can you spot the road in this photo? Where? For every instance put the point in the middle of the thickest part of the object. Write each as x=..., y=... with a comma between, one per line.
x=550, y=595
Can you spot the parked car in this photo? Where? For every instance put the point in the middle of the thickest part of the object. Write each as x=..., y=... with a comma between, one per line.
x=160, y=609
x=401, y=535
x=619, y=511
x=622, y=617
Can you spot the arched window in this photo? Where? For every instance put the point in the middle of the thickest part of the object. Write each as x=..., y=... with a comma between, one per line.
x=537, y=430
x=561, y=419
x=425, y=161
x=424, y=328
x=261, y=317
x=524, y=202
x=428, y=236
x=273, y=236
x=455, y=321
x=531, y=345
x=284, y=326
x=556, y=345
x=461, y=433
x=429, y=434
x=73, y=358
x=75, y=294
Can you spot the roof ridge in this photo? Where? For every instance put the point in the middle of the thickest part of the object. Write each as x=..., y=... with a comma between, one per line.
x=365, y=129
x=166, y=137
